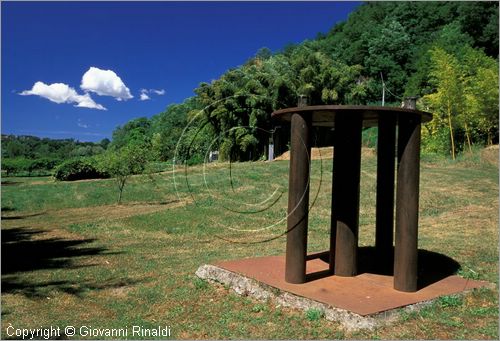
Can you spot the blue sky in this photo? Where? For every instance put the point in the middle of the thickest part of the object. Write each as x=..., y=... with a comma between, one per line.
x=92, y=59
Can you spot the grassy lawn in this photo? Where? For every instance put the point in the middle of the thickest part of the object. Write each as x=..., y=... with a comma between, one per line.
x=71, y=256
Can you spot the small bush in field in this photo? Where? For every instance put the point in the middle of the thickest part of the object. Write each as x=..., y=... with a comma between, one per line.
x=79, y=169
x=122, y=163
x=16, y=165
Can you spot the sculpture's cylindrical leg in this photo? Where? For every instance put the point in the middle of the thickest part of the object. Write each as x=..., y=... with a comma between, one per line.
x=386, y=153
x=406, y=248
x=345, y=193
x=333, y=224
x=298, y=199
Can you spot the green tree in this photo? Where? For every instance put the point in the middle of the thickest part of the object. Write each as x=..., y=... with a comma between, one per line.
x=465, y=96
x=16, y=165
x=263, y=53
x=104, y=143
x=167, y=128
x=448, y=101
x=480, y=74
x=124, y=162
x=13, y=149
x=237, y=106
x=480, y=20
x=449, y=38
x=388, y=54
x=134, y=131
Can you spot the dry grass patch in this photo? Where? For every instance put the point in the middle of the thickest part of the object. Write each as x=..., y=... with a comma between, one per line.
x=68, y=216
x=468, y=221
x=327, y=153
x=490, y=155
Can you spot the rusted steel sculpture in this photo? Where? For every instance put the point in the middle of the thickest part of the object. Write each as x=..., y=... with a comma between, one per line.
x=348, y=122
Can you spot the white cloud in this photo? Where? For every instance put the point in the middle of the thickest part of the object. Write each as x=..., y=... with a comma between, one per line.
x=145, y=93
x=105, y=83
x=144, y=97
x=62, y=93
x=159, y=92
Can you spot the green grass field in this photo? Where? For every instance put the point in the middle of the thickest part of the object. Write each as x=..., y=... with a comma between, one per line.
x=71, y=256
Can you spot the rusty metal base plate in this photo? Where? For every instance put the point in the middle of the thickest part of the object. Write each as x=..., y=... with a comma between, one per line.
x=365, y=294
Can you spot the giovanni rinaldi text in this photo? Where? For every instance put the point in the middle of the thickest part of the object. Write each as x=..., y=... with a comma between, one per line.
x=86, y=331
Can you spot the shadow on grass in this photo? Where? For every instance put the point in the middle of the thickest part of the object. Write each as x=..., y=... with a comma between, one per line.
x=10, y=183
x=21, y=252
x=18, y=217
x=152, y=203
x=42, y=289
x=432, y=266
x=25, y=251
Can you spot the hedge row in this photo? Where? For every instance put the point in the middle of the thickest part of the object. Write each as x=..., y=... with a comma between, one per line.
x=79, y=169
x=18, y=166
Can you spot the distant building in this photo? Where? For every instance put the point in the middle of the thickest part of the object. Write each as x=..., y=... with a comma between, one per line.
x=213, y=156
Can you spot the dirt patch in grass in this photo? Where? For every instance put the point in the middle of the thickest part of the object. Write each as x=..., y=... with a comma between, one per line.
x=68, y=216
x=316, y=154
x=41, y=182
x=326, y=153
x=477, y=218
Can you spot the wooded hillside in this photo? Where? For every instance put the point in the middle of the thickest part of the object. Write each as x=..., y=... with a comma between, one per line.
x=446, y=53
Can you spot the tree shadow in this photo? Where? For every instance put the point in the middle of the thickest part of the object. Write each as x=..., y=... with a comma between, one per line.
x=153, y=203
x=42, y=289
x=17, y=217
x=432, y=266
x=21, y=252
x=24, y=250
x=10, y=183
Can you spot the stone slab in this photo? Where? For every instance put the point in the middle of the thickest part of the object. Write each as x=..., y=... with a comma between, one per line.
x=365, y=294
x=365, y=301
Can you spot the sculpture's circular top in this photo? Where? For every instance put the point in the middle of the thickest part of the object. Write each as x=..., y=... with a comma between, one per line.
x=324, y=115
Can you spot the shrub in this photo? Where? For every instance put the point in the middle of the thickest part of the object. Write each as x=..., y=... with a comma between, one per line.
x=16, y=165
x=195, y=160
x=44, y=165
x=23, y=166
x=437, y=142
x=79, y=169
